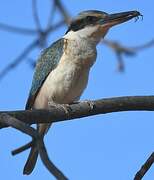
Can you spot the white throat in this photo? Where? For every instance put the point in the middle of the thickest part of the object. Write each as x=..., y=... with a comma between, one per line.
x=88, y=33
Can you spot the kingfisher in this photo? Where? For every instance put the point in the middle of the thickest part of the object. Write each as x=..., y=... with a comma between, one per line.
x=62, y=70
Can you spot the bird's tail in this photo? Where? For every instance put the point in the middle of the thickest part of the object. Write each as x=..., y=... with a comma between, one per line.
x=33, y=155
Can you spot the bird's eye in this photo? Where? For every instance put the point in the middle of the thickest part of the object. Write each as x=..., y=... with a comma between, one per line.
x=91, y=18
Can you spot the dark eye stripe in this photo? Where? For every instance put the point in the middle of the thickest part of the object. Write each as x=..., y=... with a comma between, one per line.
x=81, y=23
x=92, y=18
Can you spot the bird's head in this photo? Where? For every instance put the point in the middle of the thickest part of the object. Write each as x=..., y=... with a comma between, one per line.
x=95, y=24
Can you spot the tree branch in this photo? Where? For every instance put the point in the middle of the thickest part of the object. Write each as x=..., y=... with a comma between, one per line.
x=27, y=50
x=145, y=167
x=63, y=11
x=23, y=127
x=22, y=148
x=22, y=119
x=121, y=50
x=83, y=109
x=19, y=59
x=42, y=34
x=19, y=30
x=51, y=14
x=36, y=16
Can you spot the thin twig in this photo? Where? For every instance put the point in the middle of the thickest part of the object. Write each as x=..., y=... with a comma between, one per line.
x=145, y=167
x=51, y=15
x=19, y=30
x=18, y=60
x=27, y=50
x=144, y=46
x=42, y=37
x=36, y=16
x=118, y=48
x=130, y=51
x=22, y=148
x=31, y=62
x=121, y=50
x=121, y=65
x=63, y=11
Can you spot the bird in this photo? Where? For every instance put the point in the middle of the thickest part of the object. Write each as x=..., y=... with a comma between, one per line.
x=62, y=70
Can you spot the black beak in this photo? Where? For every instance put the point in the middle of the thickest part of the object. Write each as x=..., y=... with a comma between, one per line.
x=118, y=18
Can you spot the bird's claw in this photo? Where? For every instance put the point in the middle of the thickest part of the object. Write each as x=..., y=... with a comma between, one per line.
x=90, y=103
x=65, y=107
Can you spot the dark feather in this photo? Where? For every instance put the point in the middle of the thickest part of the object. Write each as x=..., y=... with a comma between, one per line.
x=48, y=61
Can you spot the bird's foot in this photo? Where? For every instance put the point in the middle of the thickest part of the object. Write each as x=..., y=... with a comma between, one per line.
x=90, y=103
x=65, y=107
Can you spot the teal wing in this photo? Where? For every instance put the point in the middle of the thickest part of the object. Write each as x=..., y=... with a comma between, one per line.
x=48, y=61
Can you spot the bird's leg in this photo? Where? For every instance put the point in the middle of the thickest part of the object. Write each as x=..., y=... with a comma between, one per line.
x=65, y=107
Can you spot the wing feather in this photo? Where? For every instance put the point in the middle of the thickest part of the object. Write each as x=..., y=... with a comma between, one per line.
x=48, y=61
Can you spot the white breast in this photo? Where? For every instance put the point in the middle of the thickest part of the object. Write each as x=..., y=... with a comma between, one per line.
x=67, y=81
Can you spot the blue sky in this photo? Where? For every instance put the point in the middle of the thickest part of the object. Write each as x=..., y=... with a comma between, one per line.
x=111, y=146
